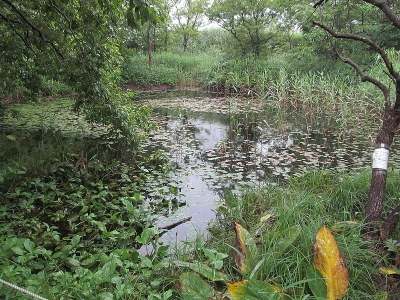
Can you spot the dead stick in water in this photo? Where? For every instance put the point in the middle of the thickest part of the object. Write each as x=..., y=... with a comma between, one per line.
x=173, y=225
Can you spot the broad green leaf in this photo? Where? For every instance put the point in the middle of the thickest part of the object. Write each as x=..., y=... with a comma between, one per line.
x=146, y=236
x=203, y=270
x=73, y=262
x=106, y=273
x=194, y=287
x=246, y=256
x=317, y=284
x=106, y=296
x=290, y=236
x=17, y=250
x=328, y=260
x=29, y=245
x=254, y=290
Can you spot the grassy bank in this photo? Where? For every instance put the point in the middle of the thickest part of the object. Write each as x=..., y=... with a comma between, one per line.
x=282, y=222
x=283, y=80
x=73, y=222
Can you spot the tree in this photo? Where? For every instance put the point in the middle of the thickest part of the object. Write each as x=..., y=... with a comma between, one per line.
x=155, y=25
x=76, y=42
x=389, y=124
x=249, y=22
x=189, y=15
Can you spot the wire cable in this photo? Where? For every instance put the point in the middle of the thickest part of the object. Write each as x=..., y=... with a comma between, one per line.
x=21, y=290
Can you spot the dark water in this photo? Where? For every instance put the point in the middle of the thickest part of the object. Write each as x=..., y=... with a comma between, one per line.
x=236, y=149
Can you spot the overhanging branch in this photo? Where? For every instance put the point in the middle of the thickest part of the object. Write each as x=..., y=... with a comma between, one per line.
x=384, y=6
x=33, y=27
x=366, y=41
x=11, y=23
x=366, y=78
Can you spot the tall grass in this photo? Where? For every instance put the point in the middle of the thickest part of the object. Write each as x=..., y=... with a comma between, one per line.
x=316, y=199
x=315, y=88
x=168, y=68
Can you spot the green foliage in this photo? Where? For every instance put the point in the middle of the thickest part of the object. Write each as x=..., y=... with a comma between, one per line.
x=72, y=210
x=283, y=220
x=194, y=287
x=71, y=227
x=74, y=43
x=249, y=23
x=190, y=15
x=168, y=68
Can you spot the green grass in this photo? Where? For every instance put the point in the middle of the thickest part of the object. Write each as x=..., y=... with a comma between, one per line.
x=183, y=70
x=315, y=199
x=316, y=87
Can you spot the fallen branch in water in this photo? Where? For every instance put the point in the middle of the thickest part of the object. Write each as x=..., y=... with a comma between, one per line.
x=176, y=224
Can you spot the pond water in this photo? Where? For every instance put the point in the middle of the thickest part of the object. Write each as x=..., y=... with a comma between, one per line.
x=215, y=145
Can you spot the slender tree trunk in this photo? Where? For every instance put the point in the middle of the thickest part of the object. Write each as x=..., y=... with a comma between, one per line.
x=149, y=45
x=384, y=140
x=185, y=42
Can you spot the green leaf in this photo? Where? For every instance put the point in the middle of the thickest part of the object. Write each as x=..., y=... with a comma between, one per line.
x=203, y=270
x=73, y=262
x=29, y=245
x=290, y=236
x=17, y=250
x=106, y=296
x=146, y=236
x=75, y=240
x=317, y=283
x=194, y=287
x=106, y=273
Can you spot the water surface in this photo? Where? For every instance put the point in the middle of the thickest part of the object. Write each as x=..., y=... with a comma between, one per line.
x=216, y=145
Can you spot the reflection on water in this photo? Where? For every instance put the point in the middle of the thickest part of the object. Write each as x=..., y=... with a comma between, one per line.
x=214, y=152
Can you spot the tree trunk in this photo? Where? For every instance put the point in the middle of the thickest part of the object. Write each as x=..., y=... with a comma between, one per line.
x=384, y=140
x=185, y=42
x=150, y=45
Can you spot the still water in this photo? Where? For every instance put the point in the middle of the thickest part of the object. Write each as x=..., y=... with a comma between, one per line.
x=215, y=145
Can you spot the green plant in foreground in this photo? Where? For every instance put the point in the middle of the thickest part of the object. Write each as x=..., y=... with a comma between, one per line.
x=327, y=260
x=283, y=221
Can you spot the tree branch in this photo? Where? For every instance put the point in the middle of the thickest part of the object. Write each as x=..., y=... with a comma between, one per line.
x=5, y=18
x=369, y=42
x=319, y=3
x=366, y=78
x=69, y=23
x=384, y=6
x=32, y=26
x=10, y=23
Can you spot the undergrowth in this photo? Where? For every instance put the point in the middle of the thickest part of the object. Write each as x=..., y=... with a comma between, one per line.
x=307, y=203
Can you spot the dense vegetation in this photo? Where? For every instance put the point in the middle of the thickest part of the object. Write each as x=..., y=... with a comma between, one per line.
x=74, y=172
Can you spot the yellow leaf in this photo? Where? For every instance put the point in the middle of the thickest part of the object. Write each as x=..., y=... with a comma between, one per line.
x=236, y=288
x=389, y=271
x=241, y=247
x=254, y=290
x=246, y=256
x=329, y=262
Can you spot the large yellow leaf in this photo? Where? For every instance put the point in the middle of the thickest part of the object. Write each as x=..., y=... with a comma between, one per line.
x=328, y=260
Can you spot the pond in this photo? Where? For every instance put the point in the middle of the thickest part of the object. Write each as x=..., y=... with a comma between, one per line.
x=218, y=145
